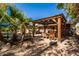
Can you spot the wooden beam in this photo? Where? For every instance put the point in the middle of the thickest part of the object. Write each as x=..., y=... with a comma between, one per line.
x=52, y=25
x=59, y=28
x=53, y=19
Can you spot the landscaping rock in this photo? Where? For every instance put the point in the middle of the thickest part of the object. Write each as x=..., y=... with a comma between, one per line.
x=68, y=47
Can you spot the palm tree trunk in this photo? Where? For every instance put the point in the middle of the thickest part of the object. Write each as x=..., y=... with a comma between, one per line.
x=23, y=35
x=14, y=38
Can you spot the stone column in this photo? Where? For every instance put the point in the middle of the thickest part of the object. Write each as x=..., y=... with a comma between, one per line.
x=59, y=28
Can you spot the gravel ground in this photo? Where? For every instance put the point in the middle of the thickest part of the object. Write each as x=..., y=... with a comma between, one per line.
x=40, y=47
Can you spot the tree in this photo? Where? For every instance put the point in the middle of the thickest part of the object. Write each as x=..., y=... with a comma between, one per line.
x=19, y=19
x=72, y=10
x=2, y=11
x=15, y=18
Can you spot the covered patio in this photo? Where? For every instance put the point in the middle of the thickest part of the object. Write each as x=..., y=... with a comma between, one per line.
x=55, y=23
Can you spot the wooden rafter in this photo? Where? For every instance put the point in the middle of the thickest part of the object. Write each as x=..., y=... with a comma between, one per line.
x=54, y=23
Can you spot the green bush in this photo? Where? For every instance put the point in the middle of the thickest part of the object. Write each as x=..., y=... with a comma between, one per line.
x=77, y=26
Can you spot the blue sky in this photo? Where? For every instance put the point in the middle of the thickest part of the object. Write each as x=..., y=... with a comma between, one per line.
x=38, y=10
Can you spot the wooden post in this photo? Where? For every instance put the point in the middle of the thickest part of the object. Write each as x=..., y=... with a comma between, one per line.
x=51, y=36
x=33, y=29
x=59, y=28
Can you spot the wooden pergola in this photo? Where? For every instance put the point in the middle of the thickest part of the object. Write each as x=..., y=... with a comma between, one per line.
x=56, y=22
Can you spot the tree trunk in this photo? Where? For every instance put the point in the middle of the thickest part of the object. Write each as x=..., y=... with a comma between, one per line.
x=33, y=32
x=44, y=29
x=14, y=38
x=23, y=33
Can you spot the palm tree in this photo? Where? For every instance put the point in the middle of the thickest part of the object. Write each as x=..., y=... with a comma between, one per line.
x=16, y=19
x=5, y=18
x=19, y=20
x=2, y=11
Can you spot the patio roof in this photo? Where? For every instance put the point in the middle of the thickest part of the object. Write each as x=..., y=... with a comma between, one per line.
x=48, y=19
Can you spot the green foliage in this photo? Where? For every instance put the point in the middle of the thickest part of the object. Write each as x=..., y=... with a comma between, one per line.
x=16, y=19
x=77, y=26
x=1, y=13
x=70, y=8
x=60, y=5
x=29, y=20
